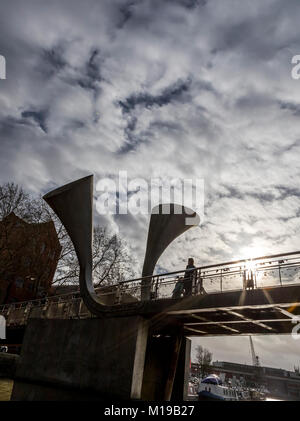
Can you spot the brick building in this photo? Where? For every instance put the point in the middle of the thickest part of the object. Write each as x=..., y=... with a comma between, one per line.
x=28, y=259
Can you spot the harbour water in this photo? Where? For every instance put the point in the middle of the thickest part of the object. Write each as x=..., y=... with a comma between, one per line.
x=6, y=386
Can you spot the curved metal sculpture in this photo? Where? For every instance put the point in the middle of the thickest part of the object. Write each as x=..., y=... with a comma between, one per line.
x=73, y=204
x=163, y=229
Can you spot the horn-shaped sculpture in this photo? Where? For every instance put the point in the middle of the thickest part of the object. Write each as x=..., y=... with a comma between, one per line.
x=73, y=204
x=163, y=229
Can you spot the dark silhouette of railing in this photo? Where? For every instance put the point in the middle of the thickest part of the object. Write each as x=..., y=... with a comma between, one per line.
x=261, y=272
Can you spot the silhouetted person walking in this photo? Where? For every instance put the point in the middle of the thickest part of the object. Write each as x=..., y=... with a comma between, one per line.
x=177, y=291
x=189, y=277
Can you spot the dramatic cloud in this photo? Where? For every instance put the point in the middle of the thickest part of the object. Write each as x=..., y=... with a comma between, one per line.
x=186, y=88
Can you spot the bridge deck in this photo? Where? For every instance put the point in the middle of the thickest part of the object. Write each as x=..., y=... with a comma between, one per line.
x=213, y=308
x=240, y=312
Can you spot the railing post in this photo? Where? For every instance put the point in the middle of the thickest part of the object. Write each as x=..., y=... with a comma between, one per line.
x=156, y=288
x=279, y=271
x=119, y=295
x=221, y=281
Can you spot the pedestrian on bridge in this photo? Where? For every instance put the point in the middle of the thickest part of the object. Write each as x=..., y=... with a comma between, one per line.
x=179, y=287
x=189, y=276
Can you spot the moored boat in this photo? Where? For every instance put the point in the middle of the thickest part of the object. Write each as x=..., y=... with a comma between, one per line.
x=212, y=388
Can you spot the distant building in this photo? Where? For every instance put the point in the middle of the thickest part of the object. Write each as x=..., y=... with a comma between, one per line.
x=280, y=383
x=28, y=259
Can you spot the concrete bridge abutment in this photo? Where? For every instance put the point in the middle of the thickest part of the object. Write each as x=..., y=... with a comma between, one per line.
x=95, y=359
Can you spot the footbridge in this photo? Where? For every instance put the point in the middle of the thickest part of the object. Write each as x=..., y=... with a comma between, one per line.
x=220, y=302
x=131, y=339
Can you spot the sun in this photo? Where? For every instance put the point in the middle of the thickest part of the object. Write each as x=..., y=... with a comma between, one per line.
x=250, y=252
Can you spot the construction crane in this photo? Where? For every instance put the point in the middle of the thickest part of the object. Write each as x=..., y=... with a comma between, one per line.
x=255, y=358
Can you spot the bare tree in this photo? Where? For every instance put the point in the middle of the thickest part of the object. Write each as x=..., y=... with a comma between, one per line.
x=12, y=199
x=112, y=261
x=203, y=359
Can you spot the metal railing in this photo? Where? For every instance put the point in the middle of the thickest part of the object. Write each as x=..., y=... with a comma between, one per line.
x=260, y=272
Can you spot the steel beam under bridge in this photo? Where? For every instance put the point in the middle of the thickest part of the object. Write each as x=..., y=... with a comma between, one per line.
x=262, y=311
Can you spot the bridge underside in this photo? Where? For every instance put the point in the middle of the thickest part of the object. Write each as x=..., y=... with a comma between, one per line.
x=260, y=311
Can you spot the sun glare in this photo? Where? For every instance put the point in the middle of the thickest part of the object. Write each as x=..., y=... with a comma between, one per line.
x=252, y=251
x=250, y=265
x=249, y=253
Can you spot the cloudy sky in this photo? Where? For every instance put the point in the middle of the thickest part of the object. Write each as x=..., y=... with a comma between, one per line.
x=188, y=88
